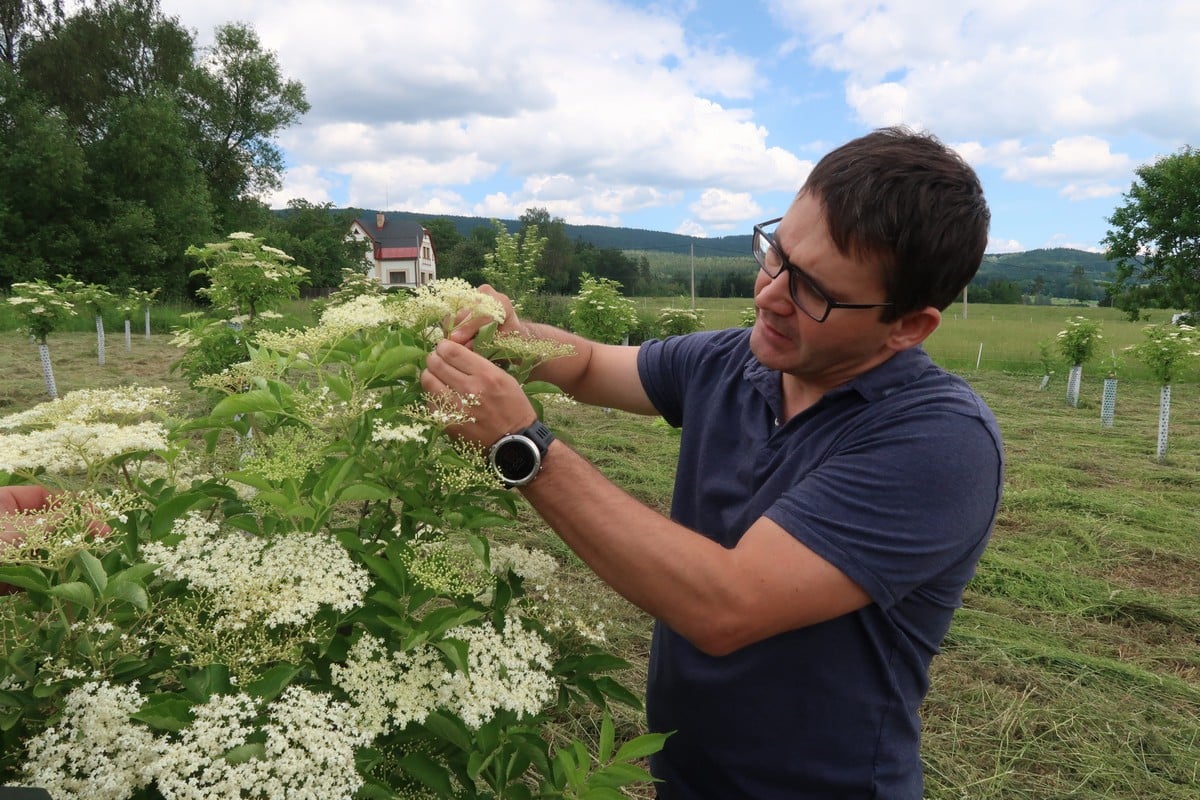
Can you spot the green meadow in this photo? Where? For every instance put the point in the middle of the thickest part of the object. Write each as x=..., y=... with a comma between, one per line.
x=1073, y=668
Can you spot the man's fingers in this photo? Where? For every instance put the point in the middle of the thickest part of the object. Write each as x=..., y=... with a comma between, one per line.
x=23, y=498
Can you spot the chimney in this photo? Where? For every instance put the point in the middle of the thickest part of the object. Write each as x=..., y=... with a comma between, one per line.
x=379, y=219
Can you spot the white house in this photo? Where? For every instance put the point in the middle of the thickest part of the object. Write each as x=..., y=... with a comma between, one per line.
x=399, y=251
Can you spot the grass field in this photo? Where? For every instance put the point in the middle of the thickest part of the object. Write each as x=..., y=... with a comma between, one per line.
x=1073, y=669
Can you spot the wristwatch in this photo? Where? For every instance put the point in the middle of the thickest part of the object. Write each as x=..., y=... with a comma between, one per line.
x=517, y=457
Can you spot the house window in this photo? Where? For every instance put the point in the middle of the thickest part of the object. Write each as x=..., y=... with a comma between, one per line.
x=398, y=277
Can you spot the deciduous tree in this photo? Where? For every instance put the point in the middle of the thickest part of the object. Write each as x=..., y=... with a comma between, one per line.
x=1154, y=238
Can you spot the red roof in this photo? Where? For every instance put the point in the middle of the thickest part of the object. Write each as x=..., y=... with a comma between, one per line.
x=391, y=253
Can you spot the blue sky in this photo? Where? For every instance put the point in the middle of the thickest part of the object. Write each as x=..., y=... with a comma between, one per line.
x=705, y=117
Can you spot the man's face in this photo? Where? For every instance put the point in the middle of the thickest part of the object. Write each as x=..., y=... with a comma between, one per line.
x=849, y=341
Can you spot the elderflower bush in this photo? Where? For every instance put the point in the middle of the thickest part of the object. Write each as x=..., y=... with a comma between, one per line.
x=297, y=594
x=1077, y=342
x=600, y=312
x=41, y=308
x=1165, y=348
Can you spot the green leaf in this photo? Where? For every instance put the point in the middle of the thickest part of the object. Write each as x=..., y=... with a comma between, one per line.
x=133, y=574
x=251, y=479
x=450, y=729
x=541, y=387
x=428, y=772
x=273, y=682
x=613, y=689
x=438, y=622
x=76, y=592
x=641, y=747
x=257, y=400
x=366, y=491
x=615, y=775
x=170, y=510
x=93, y=570
x=28, y=578
x=203, y=684
x=165, y=712
x=246, y=752
x=132, y=593
x=606, y=738
x=456, y=651
x=601, y=793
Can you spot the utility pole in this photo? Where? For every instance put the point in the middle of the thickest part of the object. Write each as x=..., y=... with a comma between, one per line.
x=692, y=250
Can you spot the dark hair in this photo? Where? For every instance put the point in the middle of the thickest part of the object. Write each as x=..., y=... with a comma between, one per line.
x=905, y=198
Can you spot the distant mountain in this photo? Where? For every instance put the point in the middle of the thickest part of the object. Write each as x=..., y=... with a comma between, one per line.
x=1021, y=267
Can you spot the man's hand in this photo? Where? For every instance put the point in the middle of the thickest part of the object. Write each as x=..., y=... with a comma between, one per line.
x=16, y=499
x=491, y=397
x=466, y=327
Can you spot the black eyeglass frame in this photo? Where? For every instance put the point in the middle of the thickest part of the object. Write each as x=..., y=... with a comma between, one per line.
x=795, y=273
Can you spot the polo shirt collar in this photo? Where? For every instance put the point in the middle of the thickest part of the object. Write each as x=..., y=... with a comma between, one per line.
x=873, y=385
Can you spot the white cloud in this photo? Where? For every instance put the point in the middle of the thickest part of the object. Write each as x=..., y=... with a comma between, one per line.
x=723, y=209
x=415, y=94
x=1004, y=246
x=691, y=228
x=1024, y=66
x=1080, y=167
x=305, y=183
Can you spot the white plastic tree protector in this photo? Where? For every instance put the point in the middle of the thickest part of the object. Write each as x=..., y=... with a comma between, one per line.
x=1073, y=380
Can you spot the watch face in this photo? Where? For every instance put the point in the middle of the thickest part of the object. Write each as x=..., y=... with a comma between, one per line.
x=517, y=459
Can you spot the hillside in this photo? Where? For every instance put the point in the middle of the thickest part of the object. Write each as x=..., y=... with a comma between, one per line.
x=671, y=252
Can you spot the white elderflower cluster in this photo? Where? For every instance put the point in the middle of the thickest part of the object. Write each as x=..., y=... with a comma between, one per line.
x=308, y=752
x=414, y=432
x=535, y=567
x=71, y=447
x=507, y=669
x=93, y=752
x=442, y=301
x=338, y=322
x=389, y=689
x=94, y=405
x=282, y=580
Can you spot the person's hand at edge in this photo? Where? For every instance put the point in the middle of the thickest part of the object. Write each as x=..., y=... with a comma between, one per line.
x=466, y=327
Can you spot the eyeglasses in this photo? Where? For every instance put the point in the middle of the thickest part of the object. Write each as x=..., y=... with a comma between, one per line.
x=807, y=296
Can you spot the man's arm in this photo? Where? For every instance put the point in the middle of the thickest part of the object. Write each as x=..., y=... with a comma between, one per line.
x=719, y=599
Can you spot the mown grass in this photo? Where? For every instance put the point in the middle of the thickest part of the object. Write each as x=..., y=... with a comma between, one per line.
x=1073, y=669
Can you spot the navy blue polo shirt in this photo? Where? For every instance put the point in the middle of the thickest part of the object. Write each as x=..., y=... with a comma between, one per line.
x=895, y=479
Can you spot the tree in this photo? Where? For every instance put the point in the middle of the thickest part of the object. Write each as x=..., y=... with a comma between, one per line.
x=102, y=55
x=444, y=235
x=315, y=235
x=19, y=19
x=148, y=199
x=42, y=187
x=512, y=266
x=557, y=263
x=237, y=101
x=1155, y=236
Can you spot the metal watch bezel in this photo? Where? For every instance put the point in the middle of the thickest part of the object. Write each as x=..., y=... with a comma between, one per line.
x=513, y=438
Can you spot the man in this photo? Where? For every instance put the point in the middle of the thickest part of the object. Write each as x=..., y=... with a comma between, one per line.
x=834, y=494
